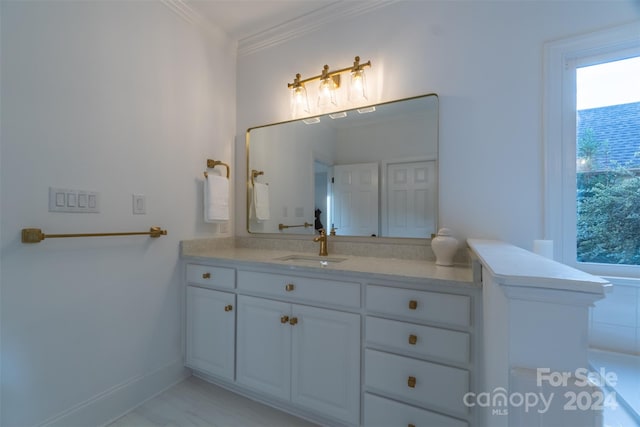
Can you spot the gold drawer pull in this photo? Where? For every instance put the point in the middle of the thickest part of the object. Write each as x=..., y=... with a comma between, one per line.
x=228, y=307
x=293, y=321
x=206, y=275
x=289, y=287
x=284, y=319
x=413, y=304
x=411, y=425
x=413, y=339
x=411, y=382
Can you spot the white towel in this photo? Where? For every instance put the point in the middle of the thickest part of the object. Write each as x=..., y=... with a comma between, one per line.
x=216, y=198
x=261, y=201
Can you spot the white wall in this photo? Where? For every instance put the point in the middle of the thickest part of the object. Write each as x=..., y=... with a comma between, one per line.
x=483, y=58
x=120, y=98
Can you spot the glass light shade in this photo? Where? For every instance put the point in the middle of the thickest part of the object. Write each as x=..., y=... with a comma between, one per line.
x=299, y=101
x=358, y=86
x=327, y=95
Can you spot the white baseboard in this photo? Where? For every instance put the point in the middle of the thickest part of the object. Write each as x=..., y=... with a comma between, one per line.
x=116, y=401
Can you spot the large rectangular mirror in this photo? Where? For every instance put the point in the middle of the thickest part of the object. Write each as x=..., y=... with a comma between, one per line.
x=371, y=171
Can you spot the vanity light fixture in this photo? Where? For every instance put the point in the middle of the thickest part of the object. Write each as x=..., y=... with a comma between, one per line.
x=358, y=86
x=327, y=91
x=299, y=100
x=329, y=88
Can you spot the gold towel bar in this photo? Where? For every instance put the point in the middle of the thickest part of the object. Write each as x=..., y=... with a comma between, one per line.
x=305, y=225
x=35, y=235
x=213, y=163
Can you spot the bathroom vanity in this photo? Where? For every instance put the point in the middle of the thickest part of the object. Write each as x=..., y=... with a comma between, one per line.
x=349, y=341
x=384, y=340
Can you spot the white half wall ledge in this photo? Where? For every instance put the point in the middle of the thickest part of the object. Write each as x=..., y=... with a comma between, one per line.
x=514, y=266
x=536, y=319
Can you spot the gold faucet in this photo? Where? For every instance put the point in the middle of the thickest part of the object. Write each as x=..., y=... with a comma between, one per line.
x=322, y=238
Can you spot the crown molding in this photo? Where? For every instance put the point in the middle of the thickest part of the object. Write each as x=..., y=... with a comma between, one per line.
x=199, y=21
x=306, y=24
x=184, y=11
x=286, y=31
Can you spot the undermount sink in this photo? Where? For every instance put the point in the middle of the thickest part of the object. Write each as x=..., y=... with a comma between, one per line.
x=311, y=259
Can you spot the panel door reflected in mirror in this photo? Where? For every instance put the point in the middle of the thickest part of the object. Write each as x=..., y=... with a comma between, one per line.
x=372, y=172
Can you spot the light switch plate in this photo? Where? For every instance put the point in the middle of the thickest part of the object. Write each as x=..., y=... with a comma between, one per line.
x=76, y=201
x=139, y=204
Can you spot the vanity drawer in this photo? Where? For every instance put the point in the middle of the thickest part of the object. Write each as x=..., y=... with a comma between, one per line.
x=206, y=275
x=381, y=412
x=300, y=288
x=417, y=381
x=419, y=305
x=418, y=339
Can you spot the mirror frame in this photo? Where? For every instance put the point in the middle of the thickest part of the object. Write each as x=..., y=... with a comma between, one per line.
x=347, y=237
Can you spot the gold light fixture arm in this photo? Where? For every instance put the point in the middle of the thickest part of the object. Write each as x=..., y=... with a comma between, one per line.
x=357, y=66
x=35, y=235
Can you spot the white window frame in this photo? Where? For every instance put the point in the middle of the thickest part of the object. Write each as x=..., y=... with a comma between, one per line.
x=559, y=132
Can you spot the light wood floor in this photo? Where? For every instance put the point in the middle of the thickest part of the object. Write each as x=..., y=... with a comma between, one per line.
x=196, y=403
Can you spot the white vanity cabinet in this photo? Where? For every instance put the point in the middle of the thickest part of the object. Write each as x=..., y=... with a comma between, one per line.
x=211, y=331
x=417, y=355
x=210, y=320
x=340, y=348
x=307, y=355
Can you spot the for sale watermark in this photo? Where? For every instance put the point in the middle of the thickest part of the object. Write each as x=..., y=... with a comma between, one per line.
x=587, y=393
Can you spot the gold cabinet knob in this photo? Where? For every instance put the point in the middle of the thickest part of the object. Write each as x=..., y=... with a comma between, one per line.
x=228, y=307
x=411, y=425
x=284, y=319
x=289, y=287
x=411, y=382
x=293, y=321
x=206, y=275
x=413, y=339
x=413, y=304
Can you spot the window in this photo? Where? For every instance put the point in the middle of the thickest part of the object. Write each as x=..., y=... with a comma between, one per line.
x=608, y=162
x=592, y=188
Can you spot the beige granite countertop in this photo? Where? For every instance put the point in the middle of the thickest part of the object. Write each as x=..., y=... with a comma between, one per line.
x=376, y=267
x=514, y=266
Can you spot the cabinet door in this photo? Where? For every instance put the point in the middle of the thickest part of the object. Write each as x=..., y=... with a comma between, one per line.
x=264, y=346
x=210, y=331
x=326, y=362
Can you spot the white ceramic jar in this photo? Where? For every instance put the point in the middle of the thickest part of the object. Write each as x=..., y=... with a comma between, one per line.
x=444, y=246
